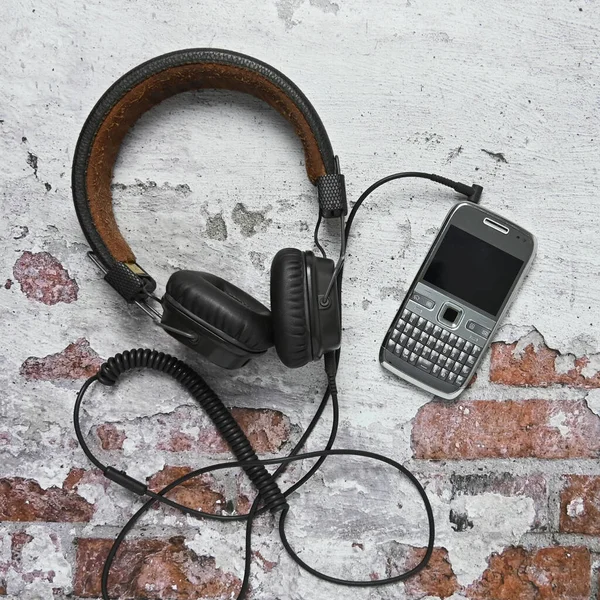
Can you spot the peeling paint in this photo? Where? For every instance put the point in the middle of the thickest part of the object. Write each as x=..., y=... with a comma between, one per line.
x=575, y=508
x=533, y=339
x=250, y=221
x=216, y=228
x=77, y=361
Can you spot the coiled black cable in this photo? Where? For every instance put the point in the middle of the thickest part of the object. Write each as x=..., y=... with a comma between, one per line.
x=114, y=367
x=258, y=506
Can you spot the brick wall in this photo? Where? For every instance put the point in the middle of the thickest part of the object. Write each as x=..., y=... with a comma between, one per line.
x=524, y=461
x=531, y=433
x=500, y=93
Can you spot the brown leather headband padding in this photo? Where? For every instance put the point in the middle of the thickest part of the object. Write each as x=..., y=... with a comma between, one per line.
x=151, y=92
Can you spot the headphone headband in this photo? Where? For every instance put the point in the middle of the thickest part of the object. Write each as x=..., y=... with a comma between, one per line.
x=146, y=86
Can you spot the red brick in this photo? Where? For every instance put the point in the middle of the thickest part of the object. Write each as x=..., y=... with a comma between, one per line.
x=266, y=565
x=437, y=579
x=535, y=365
x=17, y=541
x=44, y=279
x=151, y=568
x=111, y=437
x=73, y=478
x=24, y=500
x=268, y=430
x=557, y=573
x=198, y=493
x=580, y=505
x=76, y=361
x=506, y=429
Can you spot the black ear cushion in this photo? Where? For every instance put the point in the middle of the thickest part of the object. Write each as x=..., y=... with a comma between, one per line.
x=224, y=306
x=291, y=322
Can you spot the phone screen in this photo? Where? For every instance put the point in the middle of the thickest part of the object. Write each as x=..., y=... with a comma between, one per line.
x=473, y=270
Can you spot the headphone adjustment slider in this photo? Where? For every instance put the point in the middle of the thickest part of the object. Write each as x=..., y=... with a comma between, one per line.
x=332, y=196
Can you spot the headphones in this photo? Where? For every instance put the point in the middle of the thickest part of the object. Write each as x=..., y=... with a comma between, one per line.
x=203, y=311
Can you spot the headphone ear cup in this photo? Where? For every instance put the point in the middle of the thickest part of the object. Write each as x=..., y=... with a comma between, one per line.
x=220, y=315
x=289, y=308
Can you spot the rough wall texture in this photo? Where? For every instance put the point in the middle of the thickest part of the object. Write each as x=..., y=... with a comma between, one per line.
x=504, y=94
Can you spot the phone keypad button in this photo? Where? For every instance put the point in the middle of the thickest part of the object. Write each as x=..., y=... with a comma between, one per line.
x=432, y=348
x=424, y=365
x=478, y=329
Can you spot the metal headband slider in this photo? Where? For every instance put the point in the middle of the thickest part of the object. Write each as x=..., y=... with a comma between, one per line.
x=332, y=196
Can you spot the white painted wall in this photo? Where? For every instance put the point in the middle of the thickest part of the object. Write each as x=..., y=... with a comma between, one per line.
x=422, y=84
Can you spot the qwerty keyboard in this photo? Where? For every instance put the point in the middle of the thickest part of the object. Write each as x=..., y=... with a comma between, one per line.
x=432, y=348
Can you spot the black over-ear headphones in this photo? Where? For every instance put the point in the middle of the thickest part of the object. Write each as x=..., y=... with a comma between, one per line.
x=203, y=311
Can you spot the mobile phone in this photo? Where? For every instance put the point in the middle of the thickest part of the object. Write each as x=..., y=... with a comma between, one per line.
x=457, y=300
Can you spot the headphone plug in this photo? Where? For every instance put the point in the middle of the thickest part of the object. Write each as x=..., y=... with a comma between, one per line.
x=330, y=364
x=475, y=195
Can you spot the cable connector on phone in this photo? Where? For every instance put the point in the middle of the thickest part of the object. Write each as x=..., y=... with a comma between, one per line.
x=472, y=192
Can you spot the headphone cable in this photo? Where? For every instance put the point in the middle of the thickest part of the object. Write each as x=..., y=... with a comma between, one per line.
x=331, y=360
